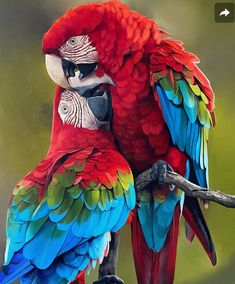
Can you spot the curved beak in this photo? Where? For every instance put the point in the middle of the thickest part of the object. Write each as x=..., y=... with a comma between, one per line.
x=79, y=77
x=55, y=70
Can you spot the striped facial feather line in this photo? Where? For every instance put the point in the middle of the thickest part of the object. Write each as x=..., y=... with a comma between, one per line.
x=74, y=114
x=75, y=110
x=79, y=50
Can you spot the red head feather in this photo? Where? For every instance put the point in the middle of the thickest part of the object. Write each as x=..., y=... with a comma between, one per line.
x=113, y=28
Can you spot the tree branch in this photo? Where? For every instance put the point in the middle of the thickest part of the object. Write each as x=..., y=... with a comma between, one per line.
x=171, y=178
x=191, y=189
x=194, y=190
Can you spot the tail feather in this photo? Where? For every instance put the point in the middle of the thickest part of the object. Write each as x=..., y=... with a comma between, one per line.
x=193, y=216
x=153, y=267
x=189, y=232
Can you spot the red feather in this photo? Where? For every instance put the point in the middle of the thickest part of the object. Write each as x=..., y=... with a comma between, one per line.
x=154, y=267
x=131, y=48
x=80, y=279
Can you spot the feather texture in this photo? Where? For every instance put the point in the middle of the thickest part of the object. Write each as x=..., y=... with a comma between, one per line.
x=78, y=210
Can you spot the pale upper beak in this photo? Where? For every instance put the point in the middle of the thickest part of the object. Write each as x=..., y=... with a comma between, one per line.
x=76, y=81
x=55, y=71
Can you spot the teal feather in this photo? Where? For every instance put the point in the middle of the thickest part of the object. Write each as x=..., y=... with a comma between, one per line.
x=72, y=215
x=71, y=242
x=166, y=111
x=193, y=131
x=188, y=95
x=183, y=129
x=34, y=246
x=82, y=222
x=130, y=197
x=145, y=214
x=170, y=94
x=114, y=202
x=155, y=219
x=64, y=271
x=198, y=148
x=205, y=153
x=83, y=262
x=50, y=249
x=121, y=220
x=24, y=211
x=188, y=135
x=104, y=201
x=59, y=213
x=200, y=174
x=34, y=227
x=191, y=112
x=177, y=100
x=177, y=121
x=17, y=234
x=82, y=249
x=91, y=229
x=162, y=219
x=115, y=215
x=97, y=246
x=41, y=211
x=201, y=150
x=8, y=252
x=194, y=142
x=104, y=217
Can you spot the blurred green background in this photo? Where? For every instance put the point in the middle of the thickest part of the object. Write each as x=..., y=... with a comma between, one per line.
x=26, y=94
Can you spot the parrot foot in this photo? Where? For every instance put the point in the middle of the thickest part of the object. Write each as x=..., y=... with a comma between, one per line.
x=159, y=170
x=109, y=279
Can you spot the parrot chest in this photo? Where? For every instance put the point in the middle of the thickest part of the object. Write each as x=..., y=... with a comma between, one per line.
x=138, y=124
x=139, y=128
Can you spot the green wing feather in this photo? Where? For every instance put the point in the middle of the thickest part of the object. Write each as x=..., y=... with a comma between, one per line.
x=68, y=205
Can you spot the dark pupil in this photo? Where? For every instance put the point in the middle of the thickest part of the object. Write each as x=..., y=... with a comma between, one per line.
x=65, y=108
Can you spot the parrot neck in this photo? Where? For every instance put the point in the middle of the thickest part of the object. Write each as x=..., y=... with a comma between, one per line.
x=72, y=138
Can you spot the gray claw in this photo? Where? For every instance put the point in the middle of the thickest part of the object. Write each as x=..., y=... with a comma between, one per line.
x=159, y=170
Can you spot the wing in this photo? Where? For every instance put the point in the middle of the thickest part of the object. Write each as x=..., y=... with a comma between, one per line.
x=187, y=103
x=90, y=194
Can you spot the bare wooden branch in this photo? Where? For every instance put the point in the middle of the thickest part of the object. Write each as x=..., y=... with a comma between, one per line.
x=191, y=189
x=142, y=182
x=194, y=190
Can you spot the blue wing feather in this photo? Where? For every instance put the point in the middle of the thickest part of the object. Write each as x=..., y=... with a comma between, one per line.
x=185, y=128
x=49, y=233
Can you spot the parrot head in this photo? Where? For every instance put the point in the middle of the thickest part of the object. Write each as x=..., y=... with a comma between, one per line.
x=75, y=118
x=88, y=45
x=90, y=113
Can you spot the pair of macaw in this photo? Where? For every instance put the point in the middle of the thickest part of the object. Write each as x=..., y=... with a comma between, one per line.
x=123, y=84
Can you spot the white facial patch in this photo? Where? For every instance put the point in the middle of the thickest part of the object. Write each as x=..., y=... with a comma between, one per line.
x=74, y=109
x=55, y=70
x=78, y=49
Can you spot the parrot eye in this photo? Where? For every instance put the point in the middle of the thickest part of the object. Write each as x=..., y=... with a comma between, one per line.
x=64, y=109
x=73, y=41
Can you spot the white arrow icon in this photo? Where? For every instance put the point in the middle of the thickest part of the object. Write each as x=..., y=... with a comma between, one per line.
x=225, y=13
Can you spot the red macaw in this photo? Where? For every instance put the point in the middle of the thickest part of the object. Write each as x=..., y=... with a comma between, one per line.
x=61, y=214
x=163, y=107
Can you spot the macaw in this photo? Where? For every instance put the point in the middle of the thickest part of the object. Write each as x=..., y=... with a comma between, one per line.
x=61, y=213
x=163, y=108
